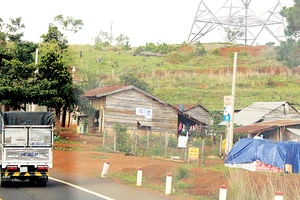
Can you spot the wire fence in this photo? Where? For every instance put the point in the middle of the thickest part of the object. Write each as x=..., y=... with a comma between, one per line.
x=163, y=145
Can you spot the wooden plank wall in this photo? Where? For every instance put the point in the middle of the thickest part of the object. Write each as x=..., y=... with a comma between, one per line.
x=121, y=108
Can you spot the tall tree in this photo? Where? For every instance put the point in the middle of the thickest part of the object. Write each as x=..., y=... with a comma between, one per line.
x=69, y=23
x=292, y=15
x=16, y=84
x=55, y=36
x=289, y=51
x=54, y=78
x=15, y=29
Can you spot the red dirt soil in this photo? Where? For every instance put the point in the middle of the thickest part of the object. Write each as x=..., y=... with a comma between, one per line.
x=80, y=158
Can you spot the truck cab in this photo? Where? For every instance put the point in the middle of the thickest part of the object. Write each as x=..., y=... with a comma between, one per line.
x=26, y=147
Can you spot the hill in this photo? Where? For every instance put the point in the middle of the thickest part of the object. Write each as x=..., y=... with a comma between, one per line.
x=182, y=77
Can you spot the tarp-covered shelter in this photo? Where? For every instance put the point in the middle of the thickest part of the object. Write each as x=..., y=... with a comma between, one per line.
x=268, y=152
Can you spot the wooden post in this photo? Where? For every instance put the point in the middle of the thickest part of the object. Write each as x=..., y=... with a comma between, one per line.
x=115, y=141
x=103, y=138
x=147, y=139
x=136, y=141
x=166, y=143
x=220, y=151
x=202, y=152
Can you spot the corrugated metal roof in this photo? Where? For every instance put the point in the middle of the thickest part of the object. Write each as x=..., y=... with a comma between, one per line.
x=294, y=130
x=255, y=112
x=103, y=90
x=263, y=126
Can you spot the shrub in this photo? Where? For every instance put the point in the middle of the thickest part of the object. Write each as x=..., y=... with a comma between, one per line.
x=216, y=52
x=182, y=172
x=123, y=139
x=172, y=142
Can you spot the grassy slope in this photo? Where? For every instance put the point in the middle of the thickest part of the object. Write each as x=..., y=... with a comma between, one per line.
x=183, y=78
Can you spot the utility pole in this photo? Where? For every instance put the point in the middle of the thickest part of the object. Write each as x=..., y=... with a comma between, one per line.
x=231, y=125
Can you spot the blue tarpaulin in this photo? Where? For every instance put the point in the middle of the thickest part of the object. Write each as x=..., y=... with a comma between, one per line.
x=275, y=153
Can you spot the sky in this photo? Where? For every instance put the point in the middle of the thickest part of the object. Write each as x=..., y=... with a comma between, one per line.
x=143, y=21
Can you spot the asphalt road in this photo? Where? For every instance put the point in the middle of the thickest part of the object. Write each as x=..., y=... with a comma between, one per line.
x=77, y=187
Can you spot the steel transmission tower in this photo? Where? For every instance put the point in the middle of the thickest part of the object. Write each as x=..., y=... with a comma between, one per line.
x=237, y=22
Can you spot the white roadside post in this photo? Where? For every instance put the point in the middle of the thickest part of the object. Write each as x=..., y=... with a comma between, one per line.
x=223, y=192
x=278, y=195
x=168, y=184
x=139, y=177
x=105, y=169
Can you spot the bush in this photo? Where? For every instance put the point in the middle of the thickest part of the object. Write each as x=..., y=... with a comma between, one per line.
x=172, y=142
x=216, y=52
x=182, y=172
x=123, y=139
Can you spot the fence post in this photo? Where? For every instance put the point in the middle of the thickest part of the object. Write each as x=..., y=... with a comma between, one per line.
x=220, y=150
x=136, y=141
x=139, y=177
x=168, y=184
x=278, y=195
x=105, y=169
x=202, y=151
x=166, y=143
x=115, y=141
x=223, y=192
x=132, y=141
x=148, y=135
x=103, y=139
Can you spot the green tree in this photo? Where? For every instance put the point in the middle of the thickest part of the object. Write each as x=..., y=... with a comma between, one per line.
x=130, y=78
x=16, y=84
x=69, y=23
x=289, y=51
x=14, y=29
x=101, y=40
x=293, y=20
x=55, y=36
x=199, y=49
x=55, y=80
x=123, y=41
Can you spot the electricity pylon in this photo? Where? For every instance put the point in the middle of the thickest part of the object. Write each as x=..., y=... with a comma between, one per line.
x=237, y=22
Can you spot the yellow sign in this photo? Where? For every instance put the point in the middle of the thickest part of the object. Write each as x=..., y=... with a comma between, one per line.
x=193, y=153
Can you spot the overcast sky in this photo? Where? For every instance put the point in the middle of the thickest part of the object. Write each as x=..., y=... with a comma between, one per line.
x=143, y=21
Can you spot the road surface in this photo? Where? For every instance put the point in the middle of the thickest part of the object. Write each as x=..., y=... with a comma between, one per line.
x=77, y=187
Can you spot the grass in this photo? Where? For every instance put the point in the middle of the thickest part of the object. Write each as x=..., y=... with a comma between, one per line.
x=68, y=149
x=261, y=185
x=193, y=79
x=100, y=157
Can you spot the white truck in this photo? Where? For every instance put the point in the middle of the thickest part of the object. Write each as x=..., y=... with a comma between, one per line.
x=26, y=147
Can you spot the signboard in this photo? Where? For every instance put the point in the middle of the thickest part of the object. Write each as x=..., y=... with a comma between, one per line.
x=227, y=108
x=182, y=141
x=147, y=112
x=193, y=154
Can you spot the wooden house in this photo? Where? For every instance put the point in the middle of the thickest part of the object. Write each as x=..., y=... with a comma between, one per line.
x=133, y=108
